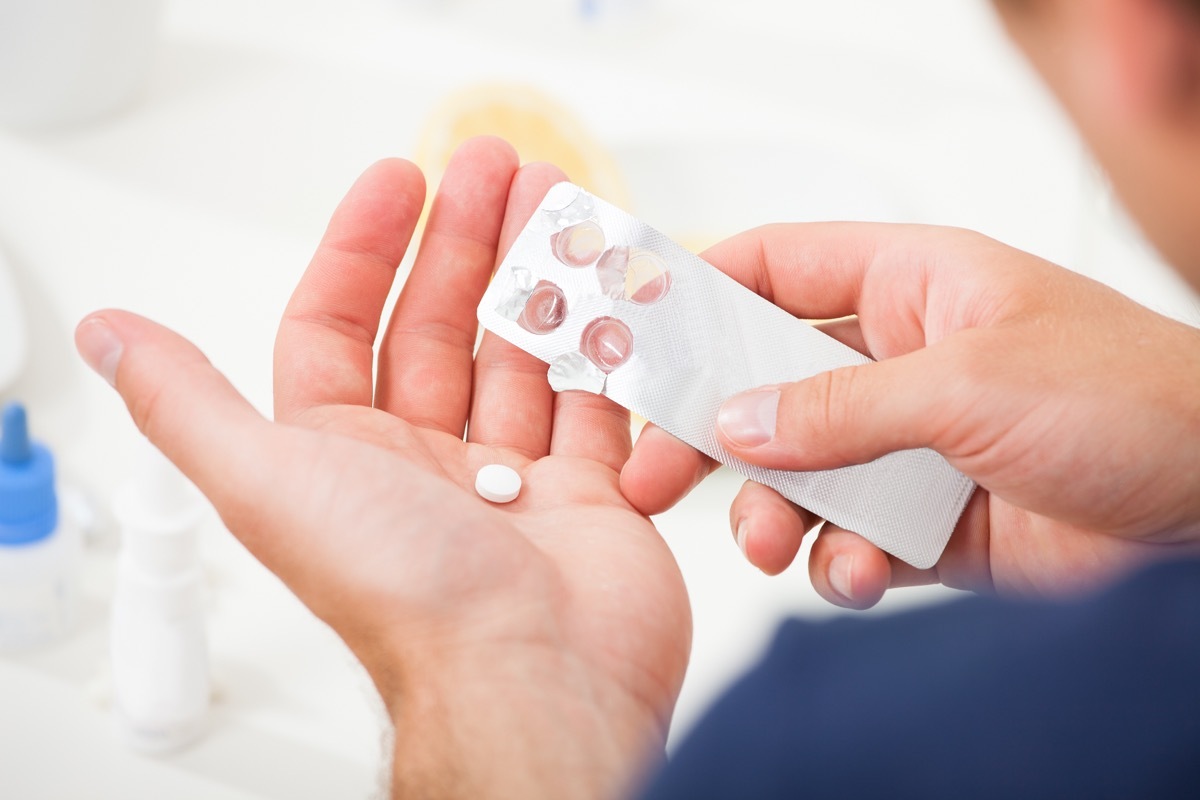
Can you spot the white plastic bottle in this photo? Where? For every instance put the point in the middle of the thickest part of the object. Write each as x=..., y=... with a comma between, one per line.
x=159, y=646
x=40, y=551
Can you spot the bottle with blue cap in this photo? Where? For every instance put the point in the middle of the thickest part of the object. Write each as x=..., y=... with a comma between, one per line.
x=40, y=552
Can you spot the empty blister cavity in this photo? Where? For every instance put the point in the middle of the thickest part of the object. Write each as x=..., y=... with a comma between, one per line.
x=574, y=371
x=513, y=304
x=578, y=245
x=607, y=342
x=582, y=207
x=633, y=274
x=647, y=280
x=545, y=309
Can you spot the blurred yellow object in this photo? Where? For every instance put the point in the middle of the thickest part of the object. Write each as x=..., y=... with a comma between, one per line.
x=540, y=128
x=696, y=242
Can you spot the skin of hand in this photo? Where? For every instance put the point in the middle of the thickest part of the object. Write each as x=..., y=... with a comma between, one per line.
x=533, y=649
x=1073, y=407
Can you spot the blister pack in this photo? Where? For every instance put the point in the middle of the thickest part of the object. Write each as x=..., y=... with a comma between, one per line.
x=616, y=308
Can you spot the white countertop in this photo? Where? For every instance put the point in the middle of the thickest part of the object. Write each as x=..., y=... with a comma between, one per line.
x=200, y=207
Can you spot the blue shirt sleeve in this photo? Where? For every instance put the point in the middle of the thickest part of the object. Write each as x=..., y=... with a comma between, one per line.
x=981, y=698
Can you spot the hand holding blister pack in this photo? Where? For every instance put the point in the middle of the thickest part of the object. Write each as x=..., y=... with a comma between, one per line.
x=616, y=308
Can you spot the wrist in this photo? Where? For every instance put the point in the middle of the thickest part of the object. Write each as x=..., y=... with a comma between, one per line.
x=530, y=724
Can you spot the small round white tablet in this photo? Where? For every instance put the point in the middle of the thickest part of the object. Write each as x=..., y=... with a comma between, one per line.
x=498, y=483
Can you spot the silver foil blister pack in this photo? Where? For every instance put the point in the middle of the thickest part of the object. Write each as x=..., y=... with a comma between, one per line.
x=616, y=308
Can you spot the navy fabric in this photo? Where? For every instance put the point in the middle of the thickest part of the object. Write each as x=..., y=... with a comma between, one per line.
x=981, y=698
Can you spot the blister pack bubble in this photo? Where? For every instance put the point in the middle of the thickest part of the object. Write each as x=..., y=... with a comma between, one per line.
x=616, y=308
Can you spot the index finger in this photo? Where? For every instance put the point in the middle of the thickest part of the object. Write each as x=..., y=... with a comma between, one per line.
x=324, y=351
x=426, y=354
x=813, y=270
x=887, y=274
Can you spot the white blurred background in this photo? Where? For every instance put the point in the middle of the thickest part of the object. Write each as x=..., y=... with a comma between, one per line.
x=199, y=201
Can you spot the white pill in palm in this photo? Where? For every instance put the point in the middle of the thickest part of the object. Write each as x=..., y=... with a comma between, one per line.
x=498, y=483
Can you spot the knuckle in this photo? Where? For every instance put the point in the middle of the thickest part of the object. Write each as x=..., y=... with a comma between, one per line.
x=832, y=402
x=145, y=406
x=338, y=322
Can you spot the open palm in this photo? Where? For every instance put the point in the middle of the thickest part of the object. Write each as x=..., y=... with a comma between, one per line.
x=563, y=609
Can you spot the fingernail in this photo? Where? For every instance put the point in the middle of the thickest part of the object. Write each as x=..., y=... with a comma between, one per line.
x=100, y=347
x=840, y=570
x=741, y=537
x=748, y=420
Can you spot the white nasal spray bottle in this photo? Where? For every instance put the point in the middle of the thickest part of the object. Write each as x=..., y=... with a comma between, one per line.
x=159, y=647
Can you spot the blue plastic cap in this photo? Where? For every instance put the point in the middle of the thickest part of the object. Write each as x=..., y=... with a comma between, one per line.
x=28, y=504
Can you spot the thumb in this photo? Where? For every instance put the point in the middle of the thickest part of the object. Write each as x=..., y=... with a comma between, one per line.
x=847, y=416
x=183, y=405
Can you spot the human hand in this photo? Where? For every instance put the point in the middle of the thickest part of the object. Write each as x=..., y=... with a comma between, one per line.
x=1073, y=408
x=526, y=650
